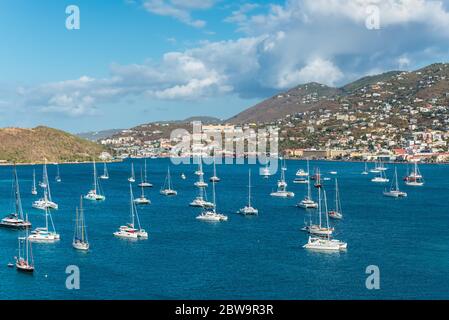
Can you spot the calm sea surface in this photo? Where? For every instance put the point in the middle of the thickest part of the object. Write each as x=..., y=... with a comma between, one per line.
x=244, y=258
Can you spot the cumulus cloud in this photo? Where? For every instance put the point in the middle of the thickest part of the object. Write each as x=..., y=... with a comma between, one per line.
x=179, y=9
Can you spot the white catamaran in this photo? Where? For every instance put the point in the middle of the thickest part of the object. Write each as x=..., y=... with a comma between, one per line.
x=142, y=199
x=129, y=231
x=394, y=191
x=44, y=235
x=132, y=178
x=380, y=178
x=325, y=244
x=105, y=175
x=337, y=213
x=282, y=186
x=201, y=200
x=144, y=181
x=307, y=202
x=16, y=220
x=212, y=215
x=318, y=229
x=302, y=176
x=167, y=189
x=214, y=178
x=95, y=194
x=46, y=202
x=248, y=209
x=80, y=241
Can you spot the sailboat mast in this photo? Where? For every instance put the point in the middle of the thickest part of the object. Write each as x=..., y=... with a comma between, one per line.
x=145, y=170
x=132, y=205
x=95, y=177
x=168, y=178
x=19, y=210
x=319, y=206
x=336, y=196
x=327, y=216
x=213, y=190
x=249, y=188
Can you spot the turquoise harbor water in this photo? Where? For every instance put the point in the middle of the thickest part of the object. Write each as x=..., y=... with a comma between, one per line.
x=245, y=258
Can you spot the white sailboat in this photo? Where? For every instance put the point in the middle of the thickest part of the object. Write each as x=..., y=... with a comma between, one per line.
x=380, y=178
x=33, y=188
x=325, y=244
x=132, y=178
x=200, y=183
x=44, y=235
x=16, y=220
x=105, y=175
x=25, y=261
x=212, y=215
x=214, y=178
x=58, y=176
x=129, y=231
x=248, y=209
x=337, y=213
x=144, y=181
x=394, y=188
x=46, y=202
x=95, y=193
x=376, y=168
x=415, y=179
x=80, y=241
x=265, y=172
x=318, y=229
x=281, y=191
x=201, y=200
x=142, y=199
x=365, y=172
x=307, y=202
x=167, y=189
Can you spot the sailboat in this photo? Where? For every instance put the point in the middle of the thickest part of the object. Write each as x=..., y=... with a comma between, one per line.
x=132, y=178
x=129, y=231
x=337, y=212
x=318, y=229
x=142, y=199
x=200, y=183
x=167, y=190
x=302, y=176
x=307, y=202
x=414, y=178
x=46, y=202
x=105, y=175
x=201, y=200
x=16, y=220
x=43, y=235
x=380, y=178
x=394, y=189
x=365, y=172
x=282, y=186
x=265, y=172
x=33, y=188
x=95, y=193
x=376, y=168
x=249, y=210
x=144, y=182
x=317, y=178
x=80, y=241
x=214, y=178
x=58, y=176
x=325, y=244
x=25, y=261
x=212, y=215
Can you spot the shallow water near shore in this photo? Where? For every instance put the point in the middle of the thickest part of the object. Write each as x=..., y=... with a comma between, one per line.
x=257, y=257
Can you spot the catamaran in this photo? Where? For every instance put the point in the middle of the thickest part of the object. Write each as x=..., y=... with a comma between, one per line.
x=380, y=178
x=132, y=178
x=142, y=199
x=105, y=175
x=212, y=215
x=58, y=176
x=337, y=212
x=33, y=188
x=302, y=176
x=394, y=189
x=214, y=178
x=95, y=193
x=46, y=202
x=325, y=244
x=365, y=172
x=248, y=209
x=43, y=235
x=282, y=186
x=144, y=181
x=25, y=261
x=129, y=231
x=167, y=190
x=200, y=183
x=80, y=241
x=307, y=202
x=318, y=229
x=201, y=201
x=265, y=172
x=414, y=178
x=16, y=220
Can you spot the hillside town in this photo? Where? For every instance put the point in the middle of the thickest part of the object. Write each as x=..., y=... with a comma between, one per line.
x=399, y=116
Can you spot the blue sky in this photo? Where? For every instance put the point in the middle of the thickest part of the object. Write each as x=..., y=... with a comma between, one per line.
x=136, y=61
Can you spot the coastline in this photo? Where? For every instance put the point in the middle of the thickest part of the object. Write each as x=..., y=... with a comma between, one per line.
x=6, y=164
